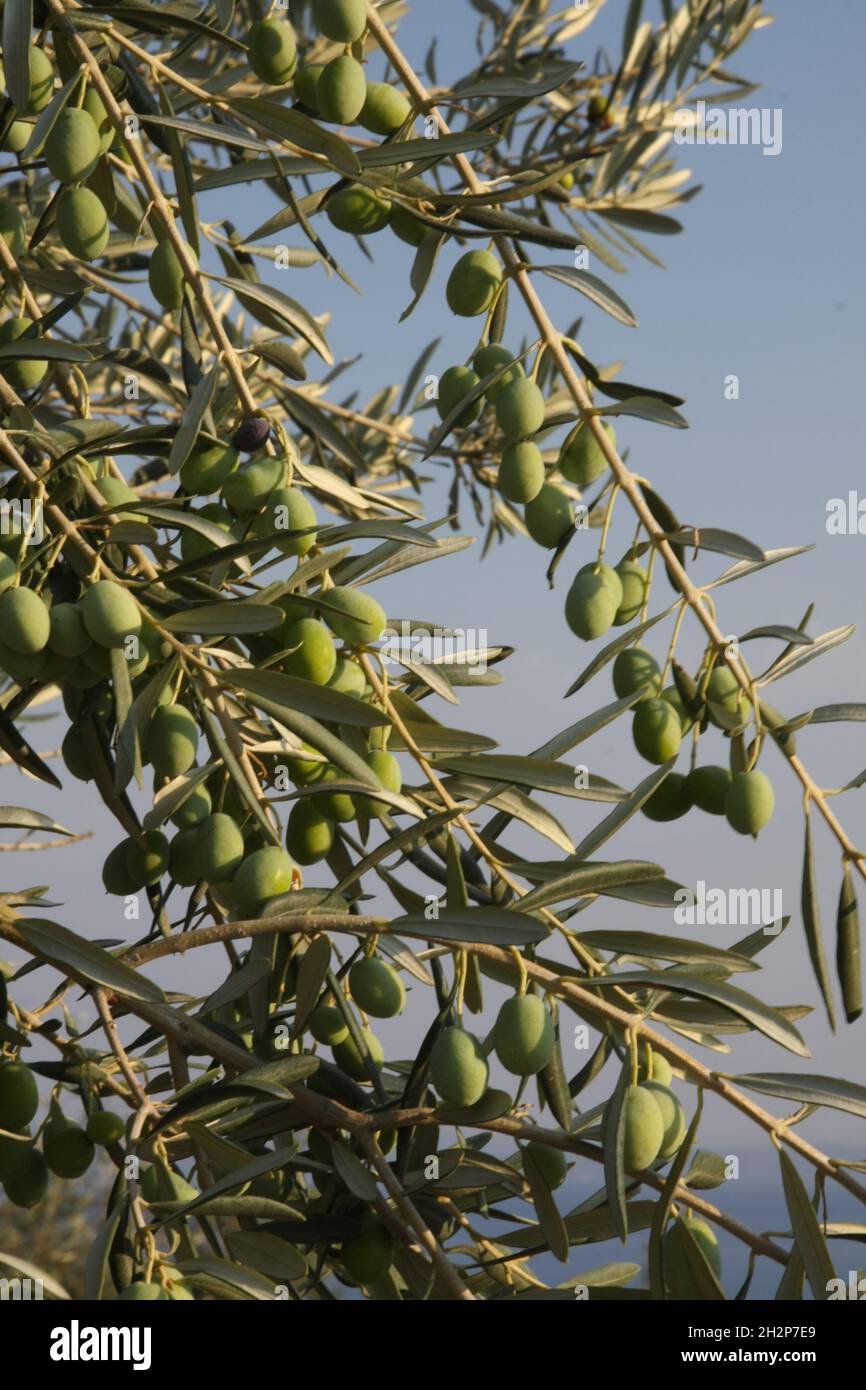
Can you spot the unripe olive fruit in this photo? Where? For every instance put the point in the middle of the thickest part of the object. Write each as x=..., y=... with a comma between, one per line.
x=9, y=573
x=104, y=1127
x=590, y=606
x=205, y=470
x=193, y=545
x=521, y=472
x=523, y=1035
x=82, y=223
x=567, y=181
x=314, y=656
x=287, y=510
x=458, y=1067
x=55, y=668
x=305, y=771
x=328, y=1026
x=41, y=81
x=520, y=408
x=389, y=773
x=193, y=810
x=219, y=848
x=490, y=359
x=608, y=576
x=377, y=988
x=548, y=516
x=252, y=434
x=349, y=1059
x=12, y=227
x=582, y=460
x=28, y=1184
x=656, y=731
x=152, y=1180
x=636, y=669
x=67, y=1149
x=385, y=109
x=358, y=210
x=337, y=806
x=75, y=756
x=273, y=51
x=147, y=858
x=342, y=20
x=292, y=613
x=634, y=580
x=309, y=833
x=24, y=621
x=95, y=108
x=73, y=146
x=348, y=678
x=19, y=1097
x=354, y=616
x=750, y=802
x=140, y=1292
x=672, y=695
x=644, y=1128
x=659, y=1069
x=165, y=274
x=454, y=385
x=306, y=81
x=17, y=137
x=116, y=876
x=341, y=91
x=673, y=1117
x=110, y=613
x=116, y=493
x=473, y=283
x=670, y=800
x=709, y=788
x=22, y=373
x=551, y=1163
x=13, y=1151
x=172, y=740
x=674, y=1262
x=369, y=1255
x=183, y=857
x=723, y=688
x=406, y=225
x=264, y=874
x=249, y=487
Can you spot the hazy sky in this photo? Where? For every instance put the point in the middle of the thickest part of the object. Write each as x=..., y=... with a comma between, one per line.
x=766, y=282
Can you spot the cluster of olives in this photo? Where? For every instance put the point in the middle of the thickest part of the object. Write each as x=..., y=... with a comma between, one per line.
x=79, y=137
x=339, y=93
x=70, y=641
x=604, y=596
x=210, y=845
x=661, y=719
x=336, y=92
x=654, y=1122
x=67, y=1148
x=522, y=1038
x=378, y=991
x=67, y=642
x=654, y=1127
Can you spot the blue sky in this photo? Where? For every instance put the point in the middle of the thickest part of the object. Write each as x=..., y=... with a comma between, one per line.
x=766, y=281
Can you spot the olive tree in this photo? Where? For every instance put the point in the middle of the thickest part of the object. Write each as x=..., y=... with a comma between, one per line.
x=276, y=756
